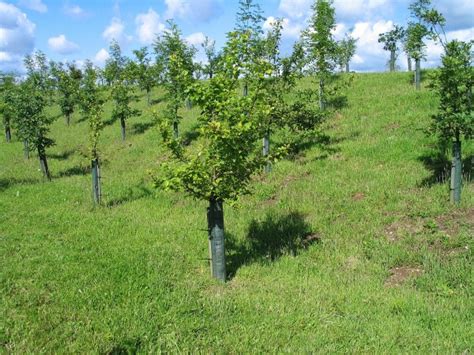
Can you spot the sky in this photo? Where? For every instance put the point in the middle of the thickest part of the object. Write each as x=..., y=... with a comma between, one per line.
x=75, y=30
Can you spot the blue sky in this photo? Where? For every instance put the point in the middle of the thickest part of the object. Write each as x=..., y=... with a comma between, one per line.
x=68, y=30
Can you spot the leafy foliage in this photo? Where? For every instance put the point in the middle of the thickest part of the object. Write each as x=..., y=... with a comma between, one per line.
x=454, y=83
x=346, y=50
x=8, y=91
x=390, y=40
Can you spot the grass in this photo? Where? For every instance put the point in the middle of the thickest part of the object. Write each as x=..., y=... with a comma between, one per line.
x=310, y=252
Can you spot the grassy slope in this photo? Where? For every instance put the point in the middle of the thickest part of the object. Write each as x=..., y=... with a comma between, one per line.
x=134, y=275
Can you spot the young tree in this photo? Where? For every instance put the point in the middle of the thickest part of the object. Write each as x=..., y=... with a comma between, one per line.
x=91, y=105
x=416, y=33
x=33, y=124
x=212, y=56
x=228, y=152
x=390, y=41
x=123, y=95
x=7, y=103
x=68, y=81
x=115, y=64
x=455, y=118
x=144, y=72
x=346, y=50
x=175, y=59
x=320, y=44
x=249, y=21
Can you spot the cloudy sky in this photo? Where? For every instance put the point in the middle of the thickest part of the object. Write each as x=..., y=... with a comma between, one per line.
x=69, y=30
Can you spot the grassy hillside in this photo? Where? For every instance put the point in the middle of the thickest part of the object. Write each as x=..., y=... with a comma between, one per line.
x=348, y=247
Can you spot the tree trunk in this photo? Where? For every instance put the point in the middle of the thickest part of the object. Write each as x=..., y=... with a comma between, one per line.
x=175, y=129
x=246, y=90
x=456, y=172
x=26, y=149
x=321, y=94
x=189, y=104
x=122, y=127
x=44, y=164
x=392, y=61
x=266, y=150
x=96, y=190
x=347, y=67
x=8, y=133
x=417, y=74
x=68, y=119
x=409, y=63
x=215, y=222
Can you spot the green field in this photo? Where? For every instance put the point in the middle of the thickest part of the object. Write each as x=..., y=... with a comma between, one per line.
x=351, y=246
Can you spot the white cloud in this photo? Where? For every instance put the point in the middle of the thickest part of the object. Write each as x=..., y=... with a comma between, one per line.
x=101, y=57
x=459, y=13
x=196, y=39
x=290, y=29
x=74, y=10
x=148, y=26
x=357, y=9
x=370, y=54
x=295, y=8
x=16, y=37
x=62, y=45
x=116, y=31
x=36, y=5
x=193, y=10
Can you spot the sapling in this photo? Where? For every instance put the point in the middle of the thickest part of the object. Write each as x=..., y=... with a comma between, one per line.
x=212, y=57
x=144, y=72
x=227, y=153
x=68, y=81
x=390, y=40
x=175, y=60
x=455, y=118
x=346, y=50
x=33, y=123
x=7, y=103
x=91, y=104
x=320, y=44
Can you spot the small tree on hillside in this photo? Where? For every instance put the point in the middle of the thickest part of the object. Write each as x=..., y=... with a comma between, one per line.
x=416, y=33
x=390, y=42
x=91, y=106
x=144, y=72
x=455, y=118
x=68, y=81
x=227, y=154
x=212, y=56
x=320, y=45
x=175, y=59
x=33, y=123
x=7, y=103
x=346, y=50
x=249, y=21
x=123, y=95
x=115, y=64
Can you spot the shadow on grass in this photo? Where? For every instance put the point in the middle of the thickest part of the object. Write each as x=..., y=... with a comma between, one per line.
x=75, y=171
x=61, y=156
x=7, y=183
x=132, y=194
x=439, y=165
x=129, y=346
x=140, y=128
x=268, y=240
x=191, y=135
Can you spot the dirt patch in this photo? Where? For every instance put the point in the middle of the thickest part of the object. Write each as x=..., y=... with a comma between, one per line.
x=451, y=223
x=399, y=275
x=405, y=226
x=311, y=238
x=359, y=196
x=392, y=126
x=273, y=200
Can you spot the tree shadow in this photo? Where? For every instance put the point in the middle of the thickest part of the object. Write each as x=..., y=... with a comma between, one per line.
x=140, y=128
x=439, y=164
x=338, y=102
x=62, y=156
x=270, y=239
x=75, y=171
x=157, y=100
x=9, y=182
x=132, y=194
x=191, y=135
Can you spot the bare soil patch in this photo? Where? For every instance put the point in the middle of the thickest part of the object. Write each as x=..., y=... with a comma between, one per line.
x=400, y=274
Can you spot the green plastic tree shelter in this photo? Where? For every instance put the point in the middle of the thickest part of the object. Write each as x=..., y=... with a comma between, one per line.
x=215, y=221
